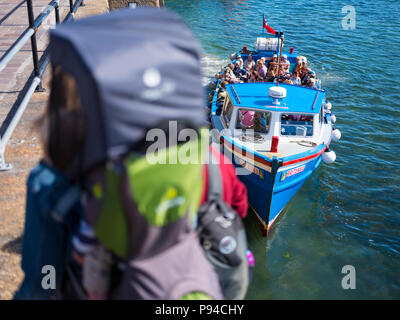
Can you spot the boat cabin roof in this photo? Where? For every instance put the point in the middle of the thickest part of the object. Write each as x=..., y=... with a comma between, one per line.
x=255, y=95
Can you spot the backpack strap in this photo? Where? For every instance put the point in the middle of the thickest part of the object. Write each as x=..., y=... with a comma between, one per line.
x=65, y=203
x=214, y=179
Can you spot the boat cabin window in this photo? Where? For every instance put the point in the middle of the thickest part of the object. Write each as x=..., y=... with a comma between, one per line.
x=259, y=121
x=227, y=111
x=300, y=125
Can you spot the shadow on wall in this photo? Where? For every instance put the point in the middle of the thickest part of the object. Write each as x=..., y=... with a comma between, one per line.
x=13, y=246
x=116, y=4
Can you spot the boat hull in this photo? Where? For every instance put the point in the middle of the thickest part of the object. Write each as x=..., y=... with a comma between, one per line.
x=269, y=192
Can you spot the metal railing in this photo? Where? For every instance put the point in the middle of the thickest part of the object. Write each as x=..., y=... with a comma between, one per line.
x=34, y=82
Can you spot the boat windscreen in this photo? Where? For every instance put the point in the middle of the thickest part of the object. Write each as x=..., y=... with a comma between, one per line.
x=259, y=121
x=300, y=125
x=227, y=112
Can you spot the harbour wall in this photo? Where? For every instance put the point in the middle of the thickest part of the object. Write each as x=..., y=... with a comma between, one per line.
x=24, y=149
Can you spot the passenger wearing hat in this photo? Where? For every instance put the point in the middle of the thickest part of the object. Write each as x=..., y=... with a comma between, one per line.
x=312, y=74
x=306, y=76
x=239, y=72
x=311, y=83
x=285, y=64
x=261, y=69
x=249, y=64
x=274, y=61
x=229, y=76
x=304, y=65
x=298, y=64
x=272, y=68
x=304, y=71
x=240, y=61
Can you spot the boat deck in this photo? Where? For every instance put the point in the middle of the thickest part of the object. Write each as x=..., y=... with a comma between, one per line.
x=287, y=147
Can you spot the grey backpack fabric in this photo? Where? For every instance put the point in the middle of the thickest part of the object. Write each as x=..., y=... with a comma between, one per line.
x=164, y=262
x=223, y=238
x=133, y=68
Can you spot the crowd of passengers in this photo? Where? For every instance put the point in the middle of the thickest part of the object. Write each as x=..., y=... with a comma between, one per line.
x=263, y=71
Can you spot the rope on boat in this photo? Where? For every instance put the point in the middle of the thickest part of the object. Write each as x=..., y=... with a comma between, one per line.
x=305, y=143
x=315, y=100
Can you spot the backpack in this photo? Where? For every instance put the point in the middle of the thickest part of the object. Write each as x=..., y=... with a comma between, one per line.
x=146, y=219
x=223, y=238
x=53, y=210
x=146, y=264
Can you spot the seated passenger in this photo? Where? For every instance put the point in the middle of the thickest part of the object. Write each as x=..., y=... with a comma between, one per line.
x=222, y=84
x=239, y=72
x=258, y=64
x=294, y=117
x=273, y=62
x=311, y=83
x=285, y=64
x=298, y=64
x=230, y=77
x=286, y=79
x=246, y=118
x=236, y=69
x=295, y=79
x=249, y=64
x=312, y=74
x=304, y=67
x=240, y=61
x=304, y=72
x=254, y=77
x=307, y=75
x=261, y=69
x=272, y=72
x=260, y=123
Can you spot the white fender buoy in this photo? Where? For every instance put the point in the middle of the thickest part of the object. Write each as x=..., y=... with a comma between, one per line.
x=329, y=156
x=333, y=118
x=336, y=134
x=328, y=105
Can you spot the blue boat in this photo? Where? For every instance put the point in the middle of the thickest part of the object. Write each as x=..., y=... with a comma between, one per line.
x=275, y=134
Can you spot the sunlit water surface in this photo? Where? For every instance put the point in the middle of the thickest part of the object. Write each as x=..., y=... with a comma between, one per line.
x=346, y=213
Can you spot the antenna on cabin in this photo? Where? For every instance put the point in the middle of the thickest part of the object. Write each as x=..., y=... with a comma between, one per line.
x=278, y=92
x=280, y=57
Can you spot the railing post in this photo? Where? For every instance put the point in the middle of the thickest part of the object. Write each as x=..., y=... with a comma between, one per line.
x=57, y=13
x=34, y=44
x=71, y=6
x=3, y=165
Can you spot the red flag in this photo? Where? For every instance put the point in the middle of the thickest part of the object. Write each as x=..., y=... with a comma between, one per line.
x=269, y=29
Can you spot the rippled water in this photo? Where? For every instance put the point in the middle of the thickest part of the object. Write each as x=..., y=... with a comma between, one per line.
x=347, y=213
